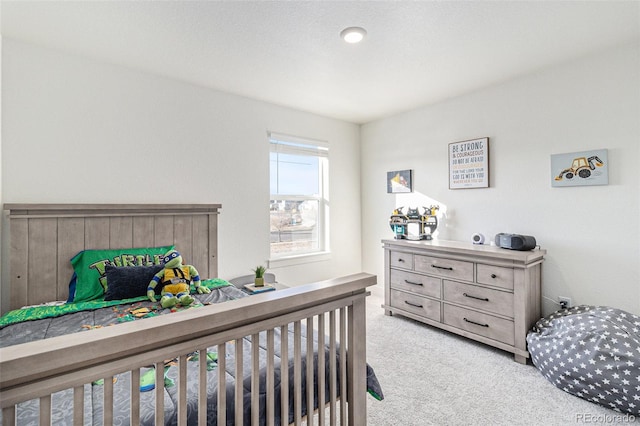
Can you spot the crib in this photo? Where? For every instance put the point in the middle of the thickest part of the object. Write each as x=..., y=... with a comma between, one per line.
x=285, y=357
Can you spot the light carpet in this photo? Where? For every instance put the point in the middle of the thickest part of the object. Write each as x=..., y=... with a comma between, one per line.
x=433, y=377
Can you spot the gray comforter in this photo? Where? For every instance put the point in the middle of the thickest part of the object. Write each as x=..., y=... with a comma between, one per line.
x=93, y=410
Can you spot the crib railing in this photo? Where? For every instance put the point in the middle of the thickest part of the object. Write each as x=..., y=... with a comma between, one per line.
x=335, y=309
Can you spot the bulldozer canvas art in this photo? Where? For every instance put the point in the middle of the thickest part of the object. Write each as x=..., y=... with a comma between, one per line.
x=580, y=168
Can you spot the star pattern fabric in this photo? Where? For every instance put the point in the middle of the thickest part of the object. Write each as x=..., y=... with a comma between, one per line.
x=592, y=352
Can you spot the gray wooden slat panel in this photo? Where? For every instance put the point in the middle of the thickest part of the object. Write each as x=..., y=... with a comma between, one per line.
x=43, y=243
x=202, y=386
x=107, y=401
x=309, y=373
x=356, y=359
x=134, y=404
x=182, y=389
x=45, y=410
x=332, y=368
x=163, y=230
x=96, y=233
x=9, y=416
x=284, y=373
x=70, y=242
x=321, y=371
x=270, y=399
x=255, y=379
x=343, y=366
x=183, y=238
x=78, y=405
x=200, y=254
x=121, y=232
x=159, y=414
x=19, y=262
x=222, y=383
x=239, y=398
x=106, y=226
x=213, y=245
x=297, y=372
x=143, y=235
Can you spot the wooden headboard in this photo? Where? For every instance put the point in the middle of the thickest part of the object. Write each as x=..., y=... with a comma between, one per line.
x=44, y=237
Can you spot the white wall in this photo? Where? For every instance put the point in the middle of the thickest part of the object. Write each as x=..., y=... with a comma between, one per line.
x=591, y=233
x=78, y=130
x=2, y=219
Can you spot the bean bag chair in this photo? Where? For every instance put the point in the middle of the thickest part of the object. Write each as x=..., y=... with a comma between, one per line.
x=592, y=352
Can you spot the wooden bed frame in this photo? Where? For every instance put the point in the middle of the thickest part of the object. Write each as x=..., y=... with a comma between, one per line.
x=43, y=237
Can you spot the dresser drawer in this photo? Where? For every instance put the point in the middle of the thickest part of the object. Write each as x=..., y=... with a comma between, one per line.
x=401, y=260
x=495, y=275
x=483, y=324
x=448, y=268
x=495, y=301
x=415, y=283
x=415, y=304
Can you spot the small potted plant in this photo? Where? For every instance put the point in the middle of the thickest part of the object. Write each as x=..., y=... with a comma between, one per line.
x=259, y=271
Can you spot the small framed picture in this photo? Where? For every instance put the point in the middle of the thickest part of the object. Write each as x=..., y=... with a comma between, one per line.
x=400, y=181
x=469, y=164
x=583, y=168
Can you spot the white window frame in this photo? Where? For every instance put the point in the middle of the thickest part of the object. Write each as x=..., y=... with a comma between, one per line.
x=278, y=142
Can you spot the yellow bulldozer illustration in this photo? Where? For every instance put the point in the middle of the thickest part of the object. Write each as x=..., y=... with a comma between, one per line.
x=582, y=167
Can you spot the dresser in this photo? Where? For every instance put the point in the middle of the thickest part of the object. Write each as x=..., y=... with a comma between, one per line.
x=481, y=292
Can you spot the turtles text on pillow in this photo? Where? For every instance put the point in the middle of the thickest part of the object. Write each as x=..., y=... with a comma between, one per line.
x=89, y=281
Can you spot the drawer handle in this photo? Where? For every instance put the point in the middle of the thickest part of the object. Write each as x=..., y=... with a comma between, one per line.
x=494, y=276
x=412, y=283
x=400, y=259
x=413, y=304
x=476, y=323
x=442, y=267
x=484, y=299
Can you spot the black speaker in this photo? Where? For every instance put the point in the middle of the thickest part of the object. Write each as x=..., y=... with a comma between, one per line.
x=515, y=241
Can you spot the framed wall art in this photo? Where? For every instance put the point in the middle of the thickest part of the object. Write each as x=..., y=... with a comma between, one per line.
x=581, y=168
x=400, y=181
x=469, y=164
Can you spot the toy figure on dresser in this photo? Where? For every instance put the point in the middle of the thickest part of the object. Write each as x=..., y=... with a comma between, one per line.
x=398, y=223
x=413, y=225
x=429, y=221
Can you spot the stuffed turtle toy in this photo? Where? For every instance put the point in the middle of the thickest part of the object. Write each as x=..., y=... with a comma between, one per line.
x=175, y=280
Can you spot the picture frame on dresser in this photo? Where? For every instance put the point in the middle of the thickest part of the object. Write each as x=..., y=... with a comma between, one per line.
x=481, y=292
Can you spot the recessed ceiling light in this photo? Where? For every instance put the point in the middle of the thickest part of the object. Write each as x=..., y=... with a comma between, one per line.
x=353, y=34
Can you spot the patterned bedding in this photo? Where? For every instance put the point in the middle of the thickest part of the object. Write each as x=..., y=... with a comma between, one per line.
x=84, y=320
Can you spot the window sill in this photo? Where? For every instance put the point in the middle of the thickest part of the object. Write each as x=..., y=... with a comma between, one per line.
x=300, y=259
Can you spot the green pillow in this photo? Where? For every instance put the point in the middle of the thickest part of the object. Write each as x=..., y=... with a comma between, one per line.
x=89, y=281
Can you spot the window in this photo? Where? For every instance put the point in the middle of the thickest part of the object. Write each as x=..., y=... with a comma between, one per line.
x=298, y=207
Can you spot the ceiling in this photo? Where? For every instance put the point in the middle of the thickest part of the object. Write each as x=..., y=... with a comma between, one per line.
x=289, y=52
